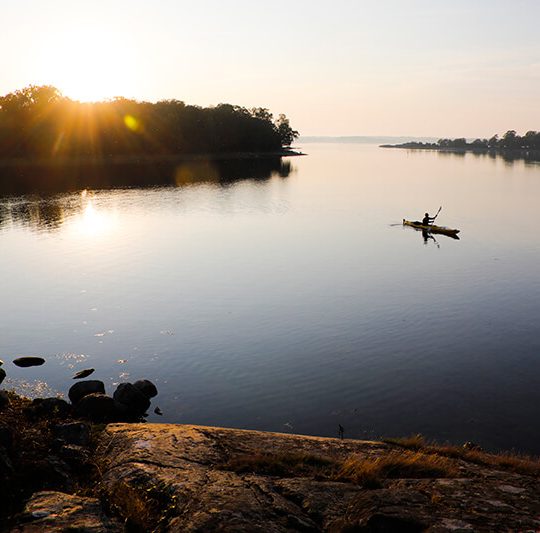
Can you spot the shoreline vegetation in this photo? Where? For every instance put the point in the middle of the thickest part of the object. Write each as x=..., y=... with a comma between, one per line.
x=42, y=130
x=510, y=145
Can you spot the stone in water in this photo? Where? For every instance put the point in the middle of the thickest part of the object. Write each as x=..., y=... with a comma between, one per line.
x=84, y=373
x=25, y=362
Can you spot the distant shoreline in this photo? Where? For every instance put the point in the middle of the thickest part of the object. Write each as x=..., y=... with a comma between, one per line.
x=363, y=139
x=142, y=158
x=533, y=155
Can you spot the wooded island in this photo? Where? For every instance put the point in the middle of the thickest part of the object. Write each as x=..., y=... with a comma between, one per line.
x=38, y=122
x=510, y=143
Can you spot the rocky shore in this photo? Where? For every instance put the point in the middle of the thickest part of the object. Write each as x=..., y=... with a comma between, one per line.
x=61, y=472
x=94, y=465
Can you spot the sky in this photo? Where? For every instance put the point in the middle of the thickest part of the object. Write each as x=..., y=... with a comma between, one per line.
x=348, y=67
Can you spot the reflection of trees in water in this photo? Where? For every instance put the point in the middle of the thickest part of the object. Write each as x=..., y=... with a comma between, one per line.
x=4, y=215
x=38, y=213
x=47, y=211
x=222, y=172
x=508, y=156
x=30, y=178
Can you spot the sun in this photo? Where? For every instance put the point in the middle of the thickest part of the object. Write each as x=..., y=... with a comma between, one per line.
x=89, y=65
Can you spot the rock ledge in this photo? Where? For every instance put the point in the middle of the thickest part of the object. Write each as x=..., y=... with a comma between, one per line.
x=193, y=478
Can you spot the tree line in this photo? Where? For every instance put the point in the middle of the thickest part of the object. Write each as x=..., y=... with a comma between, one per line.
x=509, y=141
x=39, y=122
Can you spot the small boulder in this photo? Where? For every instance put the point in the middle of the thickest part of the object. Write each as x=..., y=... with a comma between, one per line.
x=122, y=411
x=82, y=388
x=146, y=387
x=96, y=407
x=49, y=408
x=131, y=397
x=75, y=433
x=75, y=456
x=2, y=374
x=27, y=361
x=84, y=373
x=4, y=399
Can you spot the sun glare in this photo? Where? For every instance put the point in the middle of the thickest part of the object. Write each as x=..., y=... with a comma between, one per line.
x=89, y=66
x=91, y=221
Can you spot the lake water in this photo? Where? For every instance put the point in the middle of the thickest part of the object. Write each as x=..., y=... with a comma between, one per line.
x=294, y=301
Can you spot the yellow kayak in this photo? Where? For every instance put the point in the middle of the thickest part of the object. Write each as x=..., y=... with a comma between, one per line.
x=432, y=229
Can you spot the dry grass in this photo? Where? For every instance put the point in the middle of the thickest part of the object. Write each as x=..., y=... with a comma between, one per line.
x=30, y=452
x=368, y=472
x=395, y=465
x=413, y=442
x=30, y=440
x=518, y=463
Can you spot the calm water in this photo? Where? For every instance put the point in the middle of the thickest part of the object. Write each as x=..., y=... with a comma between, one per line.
x=293, y=302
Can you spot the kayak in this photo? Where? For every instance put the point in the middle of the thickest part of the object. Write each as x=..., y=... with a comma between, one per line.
x=432, y=229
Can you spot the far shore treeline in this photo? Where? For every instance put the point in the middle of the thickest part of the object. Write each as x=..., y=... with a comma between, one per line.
x=38, y=122
x=508, y=142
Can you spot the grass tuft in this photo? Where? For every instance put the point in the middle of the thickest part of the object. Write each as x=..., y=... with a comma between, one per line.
x=413, y=442
x=517, y=463
x=395, y=465
x=368, y=472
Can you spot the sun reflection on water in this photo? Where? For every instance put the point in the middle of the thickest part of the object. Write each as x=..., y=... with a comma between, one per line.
x=91, y=220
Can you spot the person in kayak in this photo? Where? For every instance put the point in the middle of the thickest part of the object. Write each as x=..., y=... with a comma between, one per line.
x=427, y=220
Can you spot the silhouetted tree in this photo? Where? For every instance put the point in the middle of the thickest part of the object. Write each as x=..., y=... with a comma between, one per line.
x=532, y=140
x=510, y=140
x=262, y=113
x=494, y=141
x=480, y=143
x=286, y=134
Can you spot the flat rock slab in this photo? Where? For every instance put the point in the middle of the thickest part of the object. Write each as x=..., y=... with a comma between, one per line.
x=51, y=511
x=175, y=478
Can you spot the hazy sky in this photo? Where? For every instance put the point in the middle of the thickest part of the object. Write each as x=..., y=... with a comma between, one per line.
x=347, y=67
